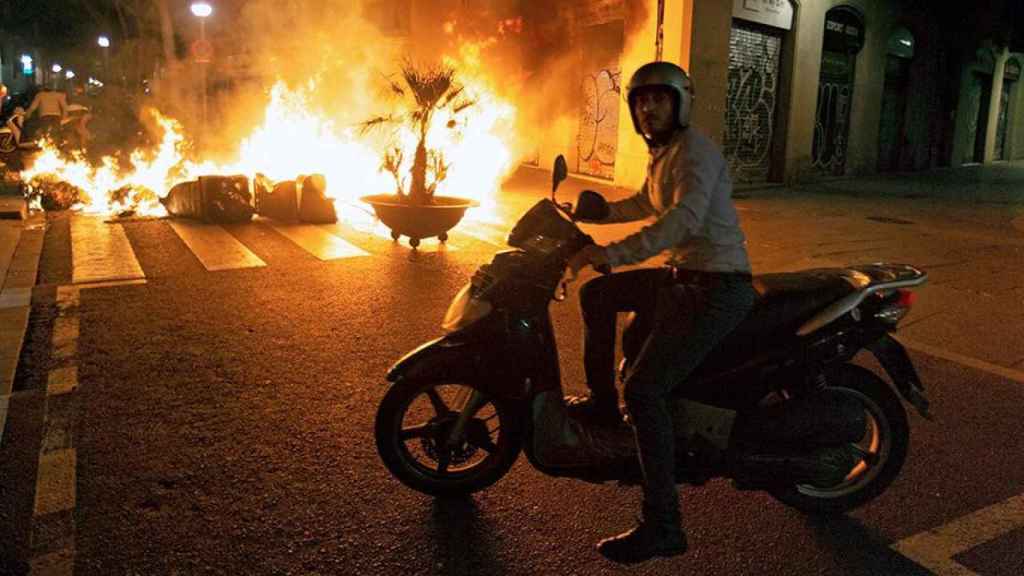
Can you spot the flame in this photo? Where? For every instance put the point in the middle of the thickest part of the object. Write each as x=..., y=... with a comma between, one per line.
x=293, y=140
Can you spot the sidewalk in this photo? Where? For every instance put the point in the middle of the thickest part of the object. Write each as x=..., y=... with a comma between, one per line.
x=21, y=244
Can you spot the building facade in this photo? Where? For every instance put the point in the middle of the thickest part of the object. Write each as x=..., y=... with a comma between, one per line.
x=799, y=90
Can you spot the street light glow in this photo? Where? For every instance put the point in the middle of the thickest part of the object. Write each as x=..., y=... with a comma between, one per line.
x=202, y=9
x=56, y=68
x=70, y=74
x=103, y=41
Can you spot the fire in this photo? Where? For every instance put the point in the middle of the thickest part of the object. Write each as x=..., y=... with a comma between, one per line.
x=108, y=187
x=294, y=140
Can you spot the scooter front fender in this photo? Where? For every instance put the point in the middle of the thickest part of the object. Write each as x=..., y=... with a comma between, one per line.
x=443, y=358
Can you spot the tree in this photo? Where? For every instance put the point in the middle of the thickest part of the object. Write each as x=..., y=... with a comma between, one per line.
x=429, y=90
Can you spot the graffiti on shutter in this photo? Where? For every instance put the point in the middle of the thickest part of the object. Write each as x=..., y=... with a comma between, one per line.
x=750, y=103
x=598, y=134
x=831, y=125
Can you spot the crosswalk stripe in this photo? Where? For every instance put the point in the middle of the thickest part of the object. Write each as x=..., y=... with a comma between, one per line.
x=379, y=231
x=215, y=248
x=319, y=241
x=101, y=252
x=484, y=232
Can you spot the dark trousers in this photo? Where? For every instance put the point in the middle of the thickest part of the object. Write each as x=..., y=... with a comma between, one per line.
x=689, y=313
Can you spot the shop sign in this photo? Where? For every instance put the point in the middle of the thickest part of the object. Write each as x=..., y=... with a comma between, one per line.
x=775, y=13
x=844, y=30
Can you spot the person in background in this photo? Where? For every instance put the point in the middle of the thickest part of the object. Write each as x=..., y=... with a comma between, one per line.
x=52, y=107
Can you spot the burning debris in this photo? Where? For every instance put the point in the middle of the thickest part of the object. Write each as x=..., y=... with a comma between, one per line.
x=450, y=130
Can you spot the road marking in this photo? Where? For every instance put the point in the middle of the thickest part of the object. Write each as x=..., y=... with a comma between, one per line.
x=56, y=495
x=65, y=337
x=55, y=482
x=318, y=241
x=1001, y=371
x=59, y=563
x=427, y=245
x=935, y=548
x=4, y=401
x=91, y=285
x=494, y=234
x=101, y=252
x=215, y=248
x=62, y=380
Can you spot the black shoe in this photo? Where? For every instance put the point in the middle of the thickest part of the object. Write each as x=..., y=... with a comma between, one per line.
x=589, y=410
x=642, y=543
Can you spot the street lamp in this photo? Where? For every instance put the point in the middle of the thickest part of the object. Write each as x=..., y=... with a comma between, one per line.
x=56, y=68
x=69, y=74
x=203, y=10
x=104, y=43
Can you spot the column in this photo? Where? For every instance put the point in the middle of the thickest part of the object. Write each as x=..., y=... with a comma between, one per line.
x=993, y=110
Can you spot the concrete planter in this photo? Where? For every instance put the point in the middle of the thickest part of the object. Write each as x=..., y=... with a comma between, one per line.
x=418, y=221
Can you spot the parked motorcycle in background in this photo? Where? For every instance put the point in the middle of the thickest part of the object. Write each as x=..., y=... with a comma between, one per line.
x=778, y=406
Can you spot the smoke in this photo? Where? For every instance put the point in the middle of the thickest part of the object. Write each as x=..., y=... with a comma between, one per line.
x=339, y=53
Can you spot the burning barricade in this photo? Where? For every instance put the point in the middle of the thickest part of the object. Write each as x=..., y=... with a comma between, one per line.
x=230, y=199
x=303, y=199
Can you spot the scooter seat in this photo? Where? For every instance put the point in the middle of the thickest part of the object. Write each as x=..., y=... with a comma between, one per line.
x=788, y=299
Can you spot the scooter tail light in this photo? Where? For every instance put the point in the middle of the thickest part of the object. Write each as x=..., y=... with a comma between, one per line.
x=897, y=310
x=906, y=299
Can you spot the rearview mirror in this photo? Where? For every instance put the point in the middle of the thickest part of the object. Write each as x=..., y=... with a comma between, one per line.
x=559, y=172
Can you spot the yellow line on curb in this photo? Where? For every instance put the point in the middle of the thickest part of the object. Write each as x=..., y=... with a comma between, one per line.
x=55, y=482
x=59, y=563
x=62, y=381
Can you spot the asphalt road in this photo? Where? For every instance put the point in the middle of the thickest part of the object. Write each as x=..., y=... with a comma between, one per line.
x=222, y=421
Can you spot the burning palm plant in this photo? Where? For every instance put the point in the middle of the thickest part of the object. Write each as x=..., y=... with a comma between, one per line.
x=429, y=91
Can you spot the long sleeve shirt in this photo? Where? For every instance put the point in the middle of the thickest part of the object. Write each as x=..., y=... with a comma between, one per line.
x=48, y=103
x=689, y=192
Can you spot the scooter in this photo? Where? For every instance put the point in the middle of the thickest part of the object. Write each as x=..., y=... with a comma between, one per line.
x=778, y=406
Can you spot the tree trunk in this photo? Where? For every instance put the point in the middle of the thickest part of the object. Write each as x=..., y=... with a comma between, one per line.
x=418, y=190
x=166, y=32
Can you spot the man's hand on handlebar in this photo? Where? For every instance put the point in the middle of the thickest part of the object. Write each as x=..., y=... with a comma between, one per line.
x=590, y=255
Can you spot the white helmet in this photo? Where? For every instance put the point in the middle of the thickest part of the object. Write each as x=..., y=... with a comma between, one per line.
x=667, y=75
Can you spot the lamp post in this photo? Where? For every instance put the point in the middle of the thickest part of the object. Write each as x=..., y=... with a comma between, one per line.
x=104, y=43
x=203, y=10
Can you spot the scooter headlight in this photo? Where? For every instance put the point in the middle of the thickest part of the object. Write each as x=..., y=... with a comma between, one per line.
x=464, y=310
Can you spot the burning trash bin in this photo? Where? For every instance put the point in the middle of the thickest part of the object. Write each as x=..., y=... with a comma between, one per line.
x=212, y=199
x=301, y=200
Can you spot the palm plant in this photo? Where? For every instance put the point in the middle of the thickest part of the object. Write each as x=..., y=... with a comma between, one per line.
x=429, y=90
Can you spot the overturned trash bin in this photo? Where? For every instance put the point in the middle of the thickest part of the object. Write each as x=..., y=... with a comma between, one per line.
x=314, y=205
x=301, y=200
x=212, y=199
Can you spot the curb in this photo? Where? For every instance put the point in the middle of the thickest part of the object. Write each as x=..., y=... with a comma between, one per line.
x=13, y=208
x=16, y=304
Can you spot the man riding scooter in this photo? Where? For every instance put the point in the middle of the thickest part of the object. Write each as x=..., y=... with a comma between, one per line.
x=703, y=293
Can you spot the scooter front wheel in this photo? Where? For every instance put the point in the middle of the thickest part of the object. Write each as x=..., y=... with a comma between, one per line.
x=415, y=439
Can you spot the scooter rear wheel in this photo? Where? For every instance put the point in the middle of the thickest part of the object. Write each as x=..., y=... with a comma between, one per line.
x=414, y=422
x=879, y=455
